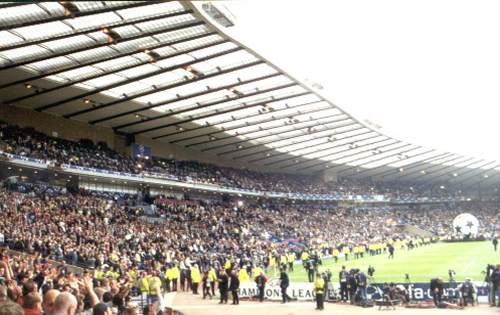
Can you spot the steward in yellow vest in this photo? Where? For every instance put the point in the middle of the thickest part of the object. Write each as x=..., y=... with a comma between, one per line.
x=154, y=283
x=144, y=283
x=174, y=276
x=243, y=275
x=304, y=256
x=319, y=285
x=212, y=276
x=291, y=259
x=195, y=278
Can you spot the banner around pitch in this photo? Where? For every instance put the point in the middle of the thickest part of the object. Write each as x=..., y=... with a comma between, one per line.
x=304, y=291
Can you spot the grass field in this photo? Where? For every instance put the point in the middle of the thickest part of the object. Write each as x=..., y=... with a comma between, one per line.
x=466, y=259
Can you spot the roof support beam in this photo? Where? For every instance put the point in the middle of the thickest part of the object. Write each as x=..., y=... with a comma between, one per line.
x=230, y=110
x=91, y=63
x=413, y=165
x=471, y=170
x=264, y=143
x=130, y=80
x=185, y=97
x=14, y=4
x=225, y=130
x=323, y=162
x=437, y=173
x=449, y=159
x=175, y=85
x=481, y=174
x=100, y=45
x=315, y=151
x=346, y=150
x=335, y=146
x=458, y=177
x=483, y=180
x=381, y=158
x=388, y=164
x=77, y=14
x=233, y=119
x=296, y=142
x=120, y=23
x=179, y=53
x=294, y=128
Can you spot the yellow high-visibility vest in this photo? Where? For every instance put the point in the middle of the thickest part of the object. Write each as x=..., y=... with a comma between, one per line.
x=195, y=275
x=319, y=283
x=99, y=274
x=256, y=271
x=175, y=272
x=144, y=285
x=153, y=284
x=283, y=259
x=304, y=256
x=243, y=275
x=212, y=275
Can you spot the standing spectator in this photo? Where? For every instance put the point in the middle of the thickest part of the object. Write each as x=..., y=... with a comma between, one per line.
x=234, y=287
x=206, y=283
x=284, y=284
x=32, y=304
x=437, y=290
x=391, y=251
x=48, y=301
x=65, y=304
x=261, y=280
x=223, y=280
x=11, y=308
x=343, y=281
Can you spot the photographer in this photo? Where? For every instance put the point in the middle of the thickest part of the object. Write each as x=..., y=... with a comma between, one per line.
x=401, y=293
x=495, y=281
x=362, y=283
x=437, y=290
x=352, y=285
x=343, y=280
x=467, y=291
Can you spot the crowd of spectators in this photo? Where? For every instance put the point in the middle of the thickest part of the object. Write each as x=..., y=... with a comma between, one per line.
x=33, y=285
x=91, y=229
x=106, y=233
x=438, y=218
x=28, y=142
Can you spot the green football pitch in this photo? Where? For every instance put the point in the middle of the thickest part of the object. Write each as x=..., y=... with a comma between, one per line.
x=466, y=259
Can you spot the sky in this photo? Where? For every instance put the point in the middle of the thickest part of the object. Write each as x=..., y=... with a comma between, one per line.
x=425, y=71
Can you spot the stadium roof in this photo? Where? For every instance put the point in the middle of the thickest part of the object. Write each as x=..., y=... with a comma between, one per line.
x=167, y=71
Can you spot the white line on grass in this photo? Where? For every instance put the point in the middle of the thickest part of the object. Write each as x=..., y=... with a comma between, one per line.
x=467, y=267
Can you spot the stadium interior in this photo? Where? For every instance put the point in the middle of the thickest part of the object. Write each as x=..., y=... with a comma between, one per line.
x=151, y=163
